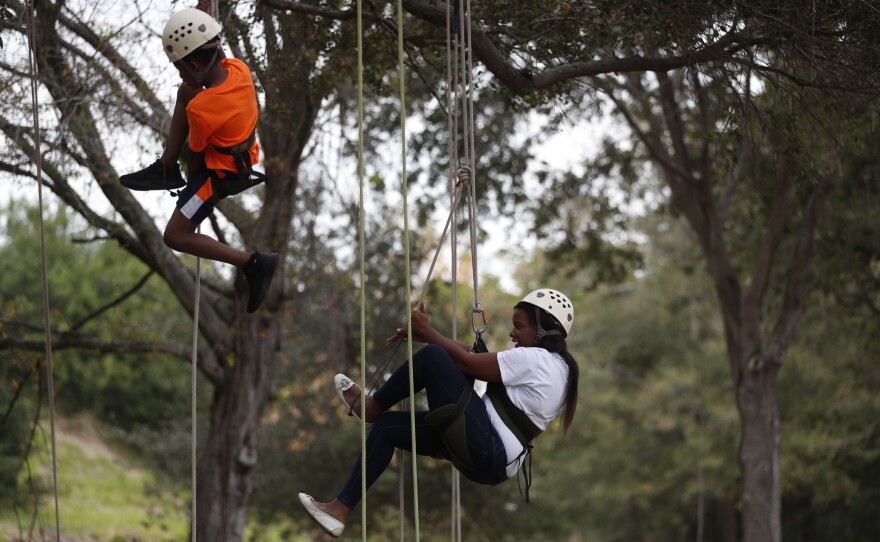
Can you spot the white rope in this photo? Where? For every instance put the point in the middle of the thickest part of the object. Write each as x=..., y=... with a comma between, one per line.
x=468, y=127
x=362, y=243
x=459, y=91
x=194, y=375
x=38, y=161
x=215, y=12
x=455, y=497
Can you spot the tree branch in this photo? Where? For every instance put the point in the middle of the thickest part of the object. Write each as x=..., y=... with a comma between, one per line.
x=148, y=240
x=131, y=291
x=14, y=399
x=776, y=217
x=212, y=371
x=796, y=288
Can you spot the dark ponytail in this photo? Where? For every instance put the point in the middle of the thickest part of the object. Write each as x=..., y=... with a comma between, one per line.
x=555, y=343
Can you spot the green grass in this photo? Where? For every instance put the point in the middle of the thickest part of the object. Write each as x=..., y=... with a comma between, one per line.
x=102, y=496
x=106, y=496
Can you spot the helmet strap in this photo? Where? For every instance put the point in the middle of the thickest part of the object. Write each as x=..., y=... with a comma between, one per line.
x=199, y=75
x=541, y=333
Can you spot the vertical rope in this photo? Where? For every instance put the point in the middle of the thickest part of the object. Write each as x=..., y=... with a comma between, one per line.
x=412, y=413
x=362, y=243
x=194, y=424
x=193, y=402
x=38, y=161
x=468, y=59
x=455, y=497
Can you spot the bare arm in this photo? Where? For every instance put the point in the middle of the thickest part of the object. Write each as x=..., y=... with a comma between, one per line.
x=205, y=5
x=482, y=366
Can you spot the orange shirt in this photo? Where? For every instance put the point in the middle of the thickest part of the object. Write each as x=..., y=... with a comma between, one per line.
x=224, y=116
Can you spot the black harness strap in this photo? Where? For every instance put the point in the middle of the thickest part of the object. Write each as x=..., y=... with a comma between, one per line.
x=247, y=177
x=460, y=406
x=242, y=147
x=519, y=424
x=516, y=420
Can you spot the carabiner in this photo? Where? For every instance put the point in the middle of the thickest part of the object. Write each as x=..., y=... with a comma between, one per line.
x=478, y=309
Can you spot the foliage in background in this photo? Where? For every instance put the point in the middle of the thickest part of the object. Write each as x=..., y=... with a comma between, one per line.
x=649, y=420
x=654, y=437
x=142, y=398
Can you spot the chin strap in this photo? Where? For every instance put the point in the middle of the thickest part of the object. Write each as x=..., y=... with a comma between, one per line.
x=199, y=75
x=541, y=331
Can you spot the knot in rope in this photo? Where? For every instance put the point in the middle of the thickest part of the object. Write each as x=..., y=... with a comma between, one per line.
x=464, y=176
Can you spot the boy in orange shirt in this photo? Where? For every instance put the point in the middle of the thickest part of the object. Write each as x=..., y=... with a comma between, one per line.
x=217, y=108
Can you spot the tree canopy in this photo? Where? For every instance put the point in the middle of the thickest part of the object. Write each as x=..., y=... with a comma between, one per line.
x=747, y=123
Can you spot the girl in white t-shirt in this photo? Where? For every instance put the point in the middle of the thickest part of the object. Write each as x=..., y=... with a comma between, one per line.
x=539, y=377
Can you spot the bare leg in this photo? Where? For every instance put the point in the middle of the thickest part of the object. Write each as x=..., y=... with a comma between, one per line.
x=179, y=130
x=353, y=397
x=180, y=234
x=334, y=508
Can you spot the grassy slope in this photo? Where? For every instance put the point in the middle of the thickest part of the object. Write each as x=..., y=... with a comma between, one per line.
x=102, y=495
x=105, y=496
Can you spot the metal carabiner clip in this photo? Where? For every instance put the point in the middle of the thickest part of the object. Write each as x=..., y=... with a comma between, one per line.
x=478, y=309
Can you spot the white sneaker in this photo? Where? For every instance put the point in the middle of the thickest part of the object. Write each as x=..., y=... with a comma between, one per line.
x=331, y=525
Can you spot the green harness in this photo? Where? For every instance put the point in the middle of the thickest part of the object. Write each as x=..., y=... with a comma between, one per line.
x=450, y=422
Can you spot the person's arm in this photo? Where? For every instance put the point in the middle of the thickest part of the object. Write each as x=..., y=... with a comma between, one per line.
x=205, y=5
x=482, y=366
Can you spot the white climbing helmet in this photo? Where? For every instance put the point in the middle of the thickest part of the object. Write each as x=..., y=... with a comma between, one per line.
x=555, y=303
x=186, y=31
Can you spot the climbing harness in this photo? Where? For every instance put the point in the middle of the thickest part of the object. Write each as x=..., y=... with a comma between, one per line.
x=247, y=176
x=450, y=422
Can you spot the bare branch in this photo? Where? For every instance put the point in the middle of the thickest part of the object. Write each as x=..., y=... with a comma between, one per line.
x=147, y=241
x=796, y=288
x=668, y=88
x=108, y=51
x=307, y=9
x=776, y=217
x=14, y=399
x=119, y=300
x=651, y=137
x=67, y=341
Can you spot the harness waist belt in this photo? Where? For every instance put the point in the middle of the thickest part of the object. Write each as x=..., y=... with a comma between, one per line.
x=244, y=146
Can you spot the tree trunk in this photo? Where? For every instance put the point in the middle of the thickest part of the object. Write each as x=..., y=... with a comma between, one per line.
x=226, y=464
x=759, y=450
x=725, y=521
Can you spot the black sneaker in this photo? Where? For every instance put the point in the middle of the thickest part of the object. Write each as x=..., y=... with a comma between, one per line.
x=259, y=272
x=156, y=176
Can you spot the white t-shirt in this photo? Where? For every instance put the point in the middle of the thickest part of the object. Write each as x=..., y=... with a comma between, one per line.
x=535, y=380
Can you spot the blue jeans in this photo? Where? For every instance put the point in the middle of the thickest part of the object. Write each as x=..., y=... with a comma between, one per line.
x=435, y=372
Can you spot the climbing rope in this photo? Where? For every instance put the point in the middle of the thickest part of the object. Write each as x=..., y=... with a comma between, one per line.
x=194, y=371
x=363, y=279
x=412, y=412
x=193, y=378
x=455, y=483
x=38, y=161
x=458, y=33
x=460, y=180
